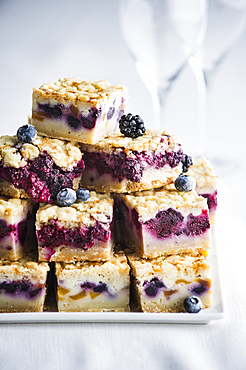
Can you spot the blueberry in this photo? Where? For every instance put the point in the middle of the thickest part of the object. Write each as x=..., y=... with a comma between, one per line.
x=73, y=122
x=66, y=197
x=26, y=133
x=192, y=304
x=82, y=195
x=34, y=292
x=100, y=288
x=24, y=286
x=151, y=290
x=54, y=111
x=185, y=183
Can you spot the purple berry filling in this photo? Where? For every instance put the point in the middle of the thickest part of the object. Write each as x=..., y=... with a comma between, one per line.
x=171, y=222
x=41, y=178
x=20, y=288
x=120, y=165
x=111, y=112
x=47, y=253
x=53, y=236
x=75, y=119
x=22, y=229
x=5, y=229
x=97, y=288
x=211, y=199
x=152, y=287
x=19, y=231
x=201, y=287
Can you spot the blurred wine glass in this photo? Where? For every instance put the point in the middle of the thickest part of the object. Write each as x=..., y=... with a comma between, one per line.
x=226, y=23
x=161, y=35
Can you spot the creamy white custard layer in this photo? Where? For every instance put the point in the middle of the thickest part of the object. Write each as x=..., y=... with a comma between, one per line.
x=94, y=286
x=162, y=284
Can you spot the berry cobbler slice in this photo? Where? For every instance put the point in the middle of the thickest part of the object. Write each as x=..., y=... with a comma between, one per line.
x=82, y=231
x=161, y=222
x=206, y=183
x=94, y=286
x=38, y=170
x=74, y=109
x=17, y=232
x=23, y=285
x=122, y=164
x=162, y=284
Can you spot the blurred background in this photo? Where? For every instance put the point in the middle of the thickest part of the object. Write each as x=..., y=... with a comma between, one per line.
x=41, y=41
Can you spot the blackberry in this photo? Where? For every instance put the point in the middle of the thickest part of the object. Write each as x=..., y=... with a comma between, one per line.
x=186, y=162
x=131, y=126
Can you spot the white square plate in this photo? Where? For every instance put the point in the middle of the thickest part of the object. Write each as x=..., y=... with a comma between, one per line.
x=203, y=317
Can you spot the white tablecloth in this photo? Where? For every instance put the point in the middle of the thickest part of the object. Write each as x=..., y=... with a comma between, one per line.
x=41, y=41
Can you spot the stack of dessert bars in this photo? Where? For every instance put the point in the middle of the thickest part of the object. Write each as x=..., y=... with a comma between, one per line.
x=135, y=243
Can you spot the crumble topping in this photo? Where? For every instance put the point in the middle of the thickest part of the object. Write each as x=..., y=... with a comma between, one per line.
x=98, y=208
x=171, y=265
x=12, y=206
x=151, y=141
x=7, y=140
x=148, y=202
x=117, y=261
x=15, y=154
x=203, y=173
x=64, y=153
x=77, y=89
x=12, y=158
x=29, y=151
x=24, y=267
x=112, y=272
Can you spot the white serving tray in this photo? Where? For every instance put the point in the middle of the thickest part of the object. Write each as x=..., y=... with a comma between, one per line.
x=203, y=317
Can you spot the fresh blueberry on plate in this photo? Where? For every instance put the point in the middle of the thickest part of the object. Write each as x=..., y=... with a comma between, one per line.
x=185, y=183
x=82, y=195
x=192, y=304
x=66, y=197
x=26, y=134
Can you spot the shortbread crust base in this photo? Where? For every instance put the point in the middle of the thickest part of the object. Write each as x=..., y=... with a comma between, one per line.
x=98, y=252
x=9, y=305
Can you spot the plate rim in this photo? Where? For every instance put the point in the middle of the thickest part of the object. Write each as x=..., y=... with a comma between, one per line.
x=205, y=316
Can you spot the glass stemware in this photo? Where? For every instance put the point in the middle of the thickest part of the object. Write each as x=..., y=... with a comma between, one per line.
x=226, y=23
x=161, y=35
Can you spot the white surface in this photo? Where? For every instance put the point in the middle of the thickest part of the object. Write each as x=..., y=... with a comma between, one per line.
x=43, y=40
